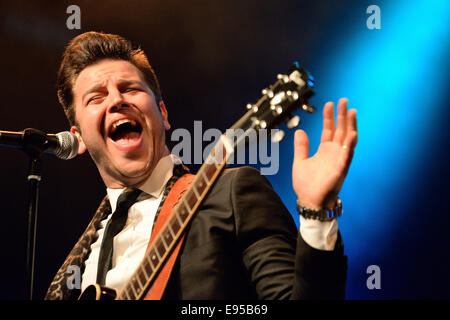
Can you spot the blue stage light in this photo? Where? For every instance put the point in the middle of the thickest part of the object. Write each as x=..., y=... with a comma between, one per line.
x=396, y=77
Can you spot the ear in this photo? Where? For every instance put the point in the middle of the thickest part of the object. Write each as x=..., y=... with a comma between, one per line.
x=81, y=145
x=164, y=114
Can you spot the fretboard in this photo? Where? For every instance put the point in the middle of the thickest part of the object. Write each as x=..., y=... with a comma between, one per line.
x=161, y=248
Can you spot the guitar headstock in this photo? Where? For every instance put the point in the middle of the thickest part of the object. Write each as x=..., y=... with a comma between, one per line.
x=290, y=92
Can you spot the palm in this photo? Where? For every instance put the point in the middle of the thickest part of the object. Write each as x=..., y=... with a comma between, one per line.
x=318, y=179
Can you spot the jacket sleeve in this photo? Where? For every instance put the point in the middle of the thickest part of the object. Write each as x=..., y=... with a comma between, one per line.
x=281, y=265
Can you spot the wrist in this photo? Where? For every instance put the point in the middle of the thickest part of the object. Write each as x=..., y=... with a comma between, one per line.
x=320, y=213
x=328, y=203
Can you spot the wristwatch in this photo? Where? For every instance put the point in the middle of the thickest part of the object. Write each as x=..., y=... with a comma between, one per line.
x=321, y=214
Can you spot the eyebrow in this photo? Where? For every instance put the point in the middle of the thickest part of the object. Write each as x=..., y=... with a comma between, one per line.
x=97, y=87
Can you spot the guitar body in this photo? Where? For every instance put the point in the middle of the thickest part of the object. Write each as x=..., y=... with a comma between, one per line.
x=97, y=292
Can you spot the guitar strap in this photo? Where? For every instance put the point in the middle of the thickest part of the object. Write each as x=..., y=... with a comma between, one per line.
x=160, y=283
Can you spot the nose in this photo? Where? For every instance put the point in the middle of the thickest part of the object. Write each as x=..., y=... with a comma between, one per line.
x=117, y=100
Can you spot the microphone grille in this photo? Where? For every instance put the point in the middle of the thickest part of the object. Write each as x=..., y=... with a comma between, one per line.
x=67, y=146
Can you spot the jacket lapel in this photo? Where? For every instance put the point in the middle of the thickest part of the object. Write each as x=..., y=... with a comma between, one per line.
x=59, y=289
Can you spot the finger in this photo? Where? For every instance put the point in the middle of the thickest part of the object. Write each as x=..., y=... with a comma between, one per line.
x=351, y=127
x=341, y=129
x=301, y=145
x=351, y=123
x=328, y=122
x=349, y=147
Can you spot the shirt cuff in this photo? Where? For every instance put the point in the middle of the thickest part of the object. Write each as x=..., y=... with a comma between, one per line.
x=321, y=235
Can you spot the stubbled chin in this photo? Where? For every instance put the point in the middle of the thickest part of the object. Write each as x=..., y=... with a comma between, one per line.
x=127, y=172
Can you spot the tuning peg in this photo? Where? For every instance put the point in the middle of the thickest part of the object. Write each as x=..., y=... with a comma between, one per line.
x=308, y=108
x=283, y=77
x=293, y=122
x=277, y=136
x=268, y=92
x=252, y=107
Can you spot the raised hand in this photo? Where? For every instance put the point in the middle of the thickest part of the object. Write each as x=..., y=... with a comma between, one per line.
x=318, y=179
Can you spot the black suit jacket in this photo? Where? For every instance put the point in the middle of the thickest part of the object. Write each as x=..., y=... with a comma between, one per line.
x=242, y=244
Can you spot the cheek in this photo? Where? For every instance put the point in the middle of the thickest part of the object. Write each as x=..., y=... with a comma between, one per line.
x=92, y=121
x=152, y=117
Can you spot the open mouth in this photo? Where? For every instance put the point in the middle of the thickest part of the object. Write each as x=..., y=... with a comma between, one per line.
x=125, y=131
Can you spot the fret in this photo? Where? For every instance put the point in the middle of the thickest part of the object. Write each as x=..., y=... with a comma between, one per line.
x=205, y=177
x=191, y=199
x=183, y=213
x=171, y=231
x=134, y=290
x=142, y=276
x=196, y=192
x=144, y=271
x=211, y=158
x=126, y=294
x=164, y=242
x=154, y=257
x=227, y=145
x=169, y=234
x=220, y=153
x=186, y=204
x=179, y=219
x=200, y=184
x=210, y=171
x=175, y=224
x=150, y=263
x=139, y=281
x=160, y=248
x=157, y=254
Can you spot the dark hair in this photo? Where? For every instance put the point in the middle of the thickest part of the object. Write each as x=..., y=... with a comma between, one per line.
x=87, y=49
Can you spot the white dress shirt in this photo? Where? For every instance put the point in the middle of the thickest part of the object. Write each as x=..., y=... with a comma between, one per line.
x=131, y=243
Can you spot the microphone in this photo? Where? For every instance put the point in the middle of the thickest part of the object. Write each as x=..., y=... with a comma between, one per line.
x=64, y=145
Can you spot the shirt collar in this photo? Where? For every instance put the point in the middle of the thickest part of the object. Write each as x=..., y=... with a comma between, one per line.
x=154, y=185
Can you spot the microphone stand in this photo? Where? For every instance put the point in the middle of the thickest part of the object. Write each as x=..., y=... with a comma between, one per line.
x=34, y=177
x=34, y=143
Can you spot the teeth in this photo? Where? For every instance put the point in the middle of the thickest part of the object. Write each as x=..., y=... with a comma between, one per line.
x=118, y=123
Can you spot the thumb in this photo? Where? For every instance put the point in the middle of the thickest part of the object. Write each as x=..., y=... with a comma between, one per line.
x=301, y=145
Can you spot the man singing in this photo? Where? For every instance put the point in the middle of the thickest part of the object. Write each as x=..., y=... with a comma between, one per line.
x=242, y=242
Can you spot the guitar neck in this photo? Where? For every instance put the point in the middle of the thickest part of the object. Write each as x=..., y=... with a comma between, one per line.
x=176, y=225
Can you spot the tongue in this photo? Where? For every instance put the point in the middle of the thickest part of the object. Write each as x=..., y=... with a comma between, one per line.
x=125, y=137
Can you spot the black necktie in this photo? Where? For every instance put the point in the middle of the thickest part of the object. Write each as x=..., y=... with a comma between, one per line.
x=118, y=220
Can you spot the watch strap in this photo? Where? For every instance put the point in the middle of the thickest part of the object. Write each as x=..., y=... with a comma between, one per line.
x=322, y=214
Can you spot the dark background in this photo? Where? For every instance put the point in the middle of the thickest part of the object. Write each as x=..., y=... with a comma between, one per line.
x=212, y=57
